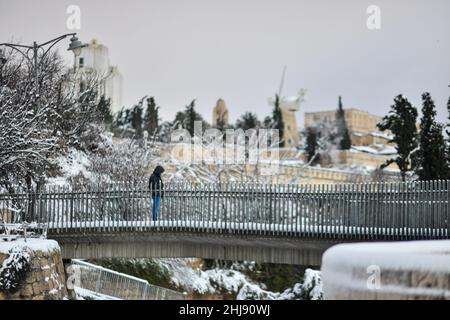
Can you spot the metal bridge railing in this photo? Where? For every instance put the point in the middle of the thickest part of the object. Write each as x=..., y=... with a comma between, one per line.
x=361, y=211
x=110, y=284
x=17, y=218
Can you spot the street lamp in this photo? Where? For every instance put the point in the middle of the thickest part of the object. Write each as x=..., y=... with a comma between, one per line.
x=30, y=53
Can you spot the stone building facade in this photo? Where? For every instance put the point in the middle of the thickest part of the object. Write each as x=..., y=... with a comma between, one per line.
x=94, y=60
x=357, y=120
x=220, y=115
x=290, y=132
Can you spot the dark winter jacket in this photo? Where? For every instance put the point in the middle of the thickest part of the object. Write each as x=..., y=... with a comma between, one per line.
x=155, y=183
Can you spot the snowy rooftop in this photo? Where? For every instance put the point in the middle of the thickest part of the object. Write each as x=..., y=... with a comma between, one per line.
x=375, y=149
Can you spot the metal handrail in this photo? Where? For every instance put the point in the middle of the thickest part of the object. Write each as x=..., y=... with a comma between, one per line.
x=109, y=284
x=364, y=211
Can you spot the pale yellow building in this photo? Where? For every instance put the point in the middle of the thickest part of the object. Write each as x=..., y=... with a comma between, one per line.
x=220, y=114
x=290, y=134
x=357, y=120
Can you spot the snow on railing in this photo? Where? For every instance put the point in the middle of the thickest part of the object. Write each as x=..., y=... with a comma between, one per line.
x=361, y=211
x=108, y=284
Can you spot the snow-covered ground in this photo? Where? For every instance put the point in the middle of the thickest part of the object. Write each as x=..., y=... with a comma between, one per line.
x=233, y=281
x=34, y=244
x=84, y=294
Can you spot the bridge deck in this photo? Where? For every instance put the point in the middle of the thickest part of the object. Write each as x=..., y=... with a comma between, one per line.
x=212, y=220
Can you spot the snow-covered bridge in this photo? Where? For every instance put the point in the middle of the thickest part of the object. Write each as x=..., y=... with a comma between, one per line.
x=236, y=221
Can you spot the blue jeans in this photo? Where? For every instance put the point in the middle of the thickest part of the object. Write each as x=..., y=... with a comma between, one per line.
x=156, y=206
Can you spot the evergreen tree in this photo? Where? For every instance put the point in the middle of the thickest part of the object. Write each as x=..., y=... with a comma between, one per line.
x=247, y=121
x=188, y=117
x=277, y=119
x=105, y=111
x=179, y=119
x=128, y=118
x=343, y=134
x=401, y=121
x=151, y=118
x=119, y=120
x=191, y=117
x=448, y=132
x=136, y=118
x=346, y=141
x=312, y=146
x=267, y=122
x=429, y=160
x=448, y=124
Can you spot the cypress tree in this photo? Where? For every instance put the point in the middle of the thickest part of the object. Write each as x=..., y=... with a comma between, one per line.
x=430, y=161
x=312, y=146
x=191, y=117
x=188, y=117
x=401, y=121
x=105, y=110
x=448, y=132
x=119, y=119
x=277, y=119
x=136, y=119
x=343, y=134
x=151, y=118
x=247, y=121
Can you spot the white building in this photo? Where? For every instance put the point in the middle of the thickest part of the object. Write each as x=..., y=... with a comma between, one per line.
x=94, y=58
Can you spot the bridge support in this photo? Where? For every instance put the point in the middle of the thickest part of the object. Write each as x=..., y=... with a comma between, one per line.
x=165, y=245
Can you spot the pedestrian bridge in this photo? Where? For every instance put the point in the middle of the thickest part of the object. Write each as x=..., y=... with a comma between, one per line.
x=291, y=224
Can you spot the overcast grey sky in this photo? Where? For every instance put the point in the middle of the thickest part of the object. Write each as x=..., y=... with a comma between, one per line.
x=177, y=50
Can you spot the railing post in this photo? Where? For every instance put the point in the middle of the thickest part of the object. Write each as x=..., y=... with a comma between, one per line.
x=144, y=294
x=98, y=282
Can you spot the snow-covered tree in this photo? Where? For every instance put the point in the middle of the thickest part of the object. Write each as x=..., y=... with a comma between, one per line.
x=401, y=121
x=37, y=125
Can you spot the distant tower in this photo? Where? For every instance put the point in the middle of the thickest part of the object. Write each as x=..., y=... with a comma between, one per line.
x=289, y=106
x=94, y=58
x=220, y=115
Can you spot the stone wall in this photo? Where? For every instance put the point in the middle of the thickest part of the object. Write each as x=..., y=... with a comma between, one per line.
x=46, y=278
x=349, y=158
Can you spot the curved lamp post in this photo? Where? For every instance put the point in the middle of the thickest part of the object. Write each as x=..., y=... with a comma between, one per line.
x=31, y=53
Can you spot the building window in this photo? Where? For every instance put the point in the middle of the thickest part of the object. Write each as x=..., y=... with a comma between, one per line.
x=82, y=86
x=289, y=127
x=81, y=63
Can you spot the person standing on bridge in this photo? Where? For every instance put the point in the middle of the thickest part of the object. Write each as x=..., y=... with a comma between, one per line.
x=156, y=186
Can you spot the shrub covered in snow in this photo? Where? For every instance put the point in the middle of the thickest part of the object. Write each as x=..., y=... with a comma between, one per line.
x=14, y=268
